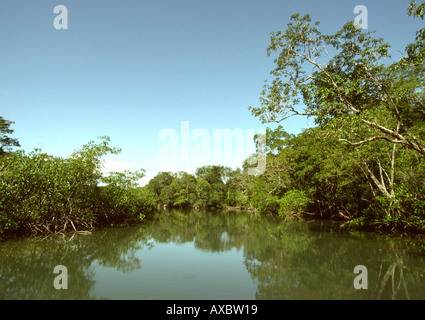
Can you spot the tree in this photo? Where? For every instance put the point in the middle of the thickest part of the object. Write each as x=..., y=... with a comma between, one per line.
x=275, y=140
x=203, y=191
x=5, y=141
x=416, y=51
x=213, y=174
x=354, y=85
x=159, y=182
x=122, y=196
x=236, y=188
x=366, y=155
x=42, y=193
x=183, y=187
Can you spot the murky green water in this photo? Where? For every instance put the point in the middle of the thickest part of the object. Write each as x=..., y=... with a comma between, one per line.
x=214, y=255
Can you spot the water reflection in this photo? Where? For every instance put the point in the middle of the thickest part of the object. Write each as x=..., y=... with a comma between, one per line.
x=185, y=254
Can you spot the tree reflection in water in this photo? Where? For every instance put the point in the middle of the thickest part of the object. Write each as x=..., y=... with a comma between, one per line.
x=289, y=259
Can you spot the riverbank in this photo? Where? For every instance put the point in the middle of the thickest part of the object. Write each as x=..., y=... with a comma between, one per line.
x=399, y=228
x=359, y=224
x=21, y=233
x=395, y=227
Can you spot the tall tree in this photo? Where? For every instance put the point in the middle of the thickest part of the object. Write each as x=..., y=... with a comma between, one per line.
x=5, y=141
x=416, y=50
x=354, y=85
x=377, y=109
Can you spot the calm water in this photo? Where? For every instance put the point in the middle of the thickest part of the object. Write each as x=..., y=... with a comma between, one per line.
x=215, y=255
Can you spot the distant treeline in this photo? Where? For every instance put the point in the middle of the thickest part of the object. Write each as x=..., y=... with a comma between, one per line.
x=312, y=174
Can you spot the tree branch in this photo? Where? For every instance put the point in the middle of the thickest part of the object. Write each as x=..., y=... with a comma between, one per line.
x=359, y=143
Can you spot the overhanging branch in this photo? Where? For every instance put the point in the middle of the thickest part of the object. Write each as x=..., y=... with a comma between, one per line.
x=359, y=143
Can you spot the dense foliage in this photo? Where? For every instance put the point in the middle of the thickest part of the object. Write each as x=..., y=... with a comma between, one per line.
x=364, y=161
x=44, y=193
x=210, y=186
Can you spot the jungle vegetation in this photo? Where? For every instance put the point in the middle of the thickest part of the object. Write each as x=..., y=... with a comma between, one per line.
x=363, y=161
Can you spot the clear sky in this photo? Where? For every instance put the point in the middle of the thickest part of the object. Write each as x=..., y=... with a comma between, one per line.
x=131, y=69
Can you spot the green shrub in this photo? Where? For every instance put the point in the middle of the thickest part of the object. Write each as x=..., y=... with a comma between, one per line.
x=293, y=201
x=44, y=193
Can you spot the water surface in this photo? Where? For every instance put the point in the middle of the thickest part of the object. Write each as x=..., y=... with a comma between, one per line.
x=215, y=255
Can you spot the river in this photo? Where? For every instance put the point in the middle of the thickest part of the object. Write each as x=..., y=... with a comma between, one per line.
x=215, y=255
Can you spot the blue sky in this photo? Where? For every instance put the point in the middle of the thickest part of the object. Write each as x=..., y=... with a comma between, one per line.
x=132, y=68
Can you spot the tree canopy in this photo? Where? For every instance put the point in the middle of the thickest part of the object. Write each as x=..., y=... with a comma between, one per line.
x=364, y=159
